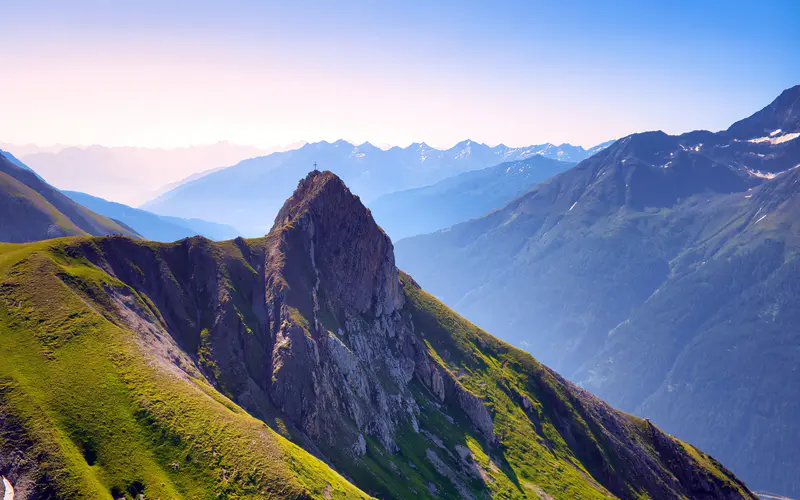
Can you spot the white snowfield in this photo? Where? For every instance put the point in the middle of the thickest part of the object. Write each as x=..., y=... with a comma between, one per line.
x=763, y=175
x=8, y=489
x=769, y=175
x=774, y=138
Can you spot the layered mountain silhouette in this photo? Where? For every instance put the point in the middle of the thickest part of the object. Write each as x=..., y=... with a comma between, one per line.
x=13, y=159
x=243, y=194
x=659, y=274
x=34, y=210
x=462, y=197
x=188, y=369
x=131, y=175
x=155, y=227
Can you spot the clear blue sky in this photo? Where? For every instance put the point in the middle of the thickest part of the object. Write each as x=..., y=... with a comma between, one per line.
x=169, y=73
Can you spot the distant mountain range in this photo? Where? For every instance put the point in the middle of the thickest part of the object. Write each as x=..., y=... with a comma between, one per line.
x=128, y=175
x=248, y=194
x=662, y=274
x=154, y=227
x=462, y=197
x=33, y=210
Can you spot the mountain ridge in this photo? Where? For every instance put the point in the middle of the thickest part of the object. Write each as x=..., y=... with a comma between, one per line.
x=34, y=210
x=461, y=197
x=126, y=173
x=151, y=226
x=568, y=270
x=242, y=194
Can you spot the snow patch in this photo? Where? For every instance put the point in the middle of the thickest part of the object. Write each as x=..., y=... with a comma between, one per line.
x=762, y=218
x=690, y=148
x=775, y=132
x=760, y=174
x=464, y=153
x=573, y=206
x=9, y=490
x=772, y=139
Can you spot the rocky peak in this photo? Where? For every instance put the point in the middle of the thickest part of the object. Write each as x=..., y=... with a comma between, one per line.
x=782, y=114
x=352, y=255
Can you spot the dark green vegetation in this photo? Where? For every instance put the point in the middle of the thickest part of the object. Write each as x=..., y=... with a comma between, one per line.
x=33, y=210
x=662, y=275
x=152, y=226
x=180, y=370
x=462, y=197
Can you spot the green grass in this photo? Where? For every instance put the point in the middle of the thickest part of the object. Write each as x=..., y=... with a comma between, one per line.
x=528, y=456
x=555, y=446
x=107, y=420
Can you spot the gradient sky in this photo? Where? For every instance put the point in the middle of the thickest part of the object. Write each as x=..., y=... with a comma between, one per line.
x=173, y=73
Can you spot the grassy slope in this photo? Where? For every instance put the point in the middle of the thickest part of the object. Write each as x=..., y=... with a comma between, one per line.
x=535, y=453
x=32, y=206
x=104, y=420
x=14, y=195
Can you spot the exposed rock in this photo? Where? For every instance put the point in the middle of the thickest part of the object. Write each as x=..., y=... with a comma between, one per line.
x=352, y=253
x=443, y=469
x=360, y=447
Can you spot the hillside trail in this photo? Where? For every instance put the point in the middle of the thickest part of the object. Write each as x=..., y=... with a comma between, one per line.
x=8, y=489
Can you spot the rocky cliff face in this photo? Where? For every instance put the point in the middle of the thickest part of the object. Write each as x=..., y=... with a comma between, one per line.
x=334, y=300
x=314, y=330
x=345, y=246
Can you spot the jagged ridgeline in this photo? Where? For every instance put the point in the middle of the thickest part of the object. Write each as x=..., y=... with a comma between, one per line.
x=259, y=368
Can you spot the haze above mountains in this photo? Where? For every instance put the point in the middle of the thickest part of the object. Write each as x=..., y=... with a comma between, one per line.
x=491, y=187
x=129, y=175
x=243, y=194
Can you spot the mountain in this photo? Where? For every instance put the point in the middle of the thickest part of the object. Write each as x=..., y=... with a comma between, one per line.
x=154, y=227
x=248, y=194
x=462, y=197
x=658, y=273
x=568, y=152
x=13, y=159
x=34, y=210
x=131, y=175
x=185, y=369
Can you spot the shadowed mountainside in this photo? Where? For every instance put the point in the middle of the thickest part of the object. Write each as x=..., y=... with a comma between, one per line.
x=659, y=273
x=462, y=197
